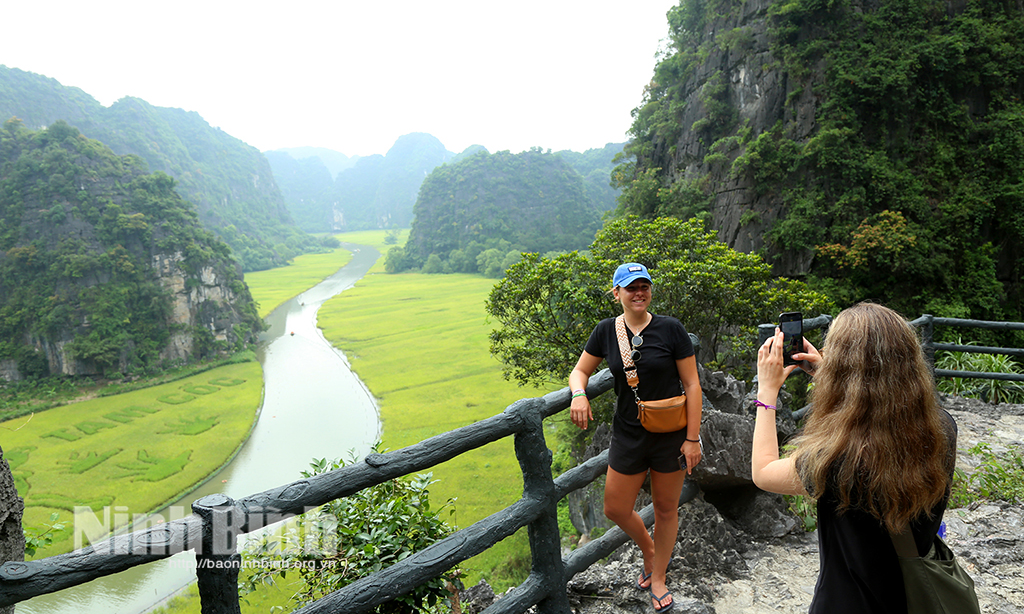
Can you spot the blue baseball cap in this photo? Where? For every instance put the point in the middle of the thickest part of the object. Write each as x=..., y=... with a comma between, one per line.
x=628, y=273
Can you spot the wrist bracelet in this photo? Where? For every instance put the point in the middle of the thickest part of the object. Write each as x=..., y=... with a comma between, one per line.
x=581, y=393
x=697, y=440
x=764, y=405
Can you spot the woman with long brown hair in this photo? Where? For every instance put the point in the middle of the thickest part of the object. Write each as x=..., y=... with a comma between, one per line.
x=877, y=453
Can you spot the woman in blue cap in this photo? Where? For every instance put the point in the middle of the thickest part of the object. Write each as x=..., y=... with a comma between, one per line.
x=665, y=363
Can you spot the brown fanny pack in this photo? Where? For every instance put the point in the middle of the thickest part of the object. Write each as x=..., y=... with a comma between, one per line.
x=660, y=416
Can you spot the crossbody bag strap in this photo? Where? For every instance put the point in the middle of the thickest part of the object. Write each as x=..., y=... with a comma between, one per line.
x=627, y=363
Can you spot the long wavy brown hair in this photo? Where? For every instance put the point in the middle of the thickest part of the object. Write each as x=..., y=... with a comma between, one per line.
x=875, y=436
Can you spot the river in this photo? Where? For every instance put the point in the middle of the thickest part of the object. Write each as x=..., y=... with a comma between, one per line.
x=313, y=407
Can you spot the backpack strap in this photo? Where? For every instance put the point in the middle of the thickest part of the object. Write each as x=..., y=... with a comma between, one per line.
x=904, y=544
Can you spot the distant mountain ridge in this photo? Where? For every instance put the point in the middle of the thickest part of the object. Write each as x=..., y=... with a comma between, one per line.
x=376, y=191
x=230, y=183
x=381, y=191
x=333, y=161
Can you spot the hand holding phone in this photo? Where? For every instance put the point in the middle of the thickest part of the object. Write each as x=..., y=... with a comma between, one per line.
x=792, y=326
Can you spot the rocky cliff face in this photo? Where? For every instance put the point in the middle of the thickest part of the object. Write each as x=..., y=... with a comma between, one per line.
x=807, y=130
x=742, y=83
x=207, y=305
x=206, y=301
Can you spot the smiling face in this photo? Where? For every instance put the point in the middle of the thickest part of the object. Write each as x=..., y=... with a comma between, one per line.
x=635, y=297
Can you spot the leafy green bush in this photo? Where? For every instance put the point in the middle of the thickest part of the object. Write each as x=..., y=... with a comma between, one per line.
x=353, y=537
x=804, y=508
x=41, y=537
x=989, y=390
x=1000, y=477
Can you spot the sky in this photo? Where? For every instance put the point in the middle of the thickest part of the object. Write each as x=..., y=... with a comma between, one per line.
x=354, y=75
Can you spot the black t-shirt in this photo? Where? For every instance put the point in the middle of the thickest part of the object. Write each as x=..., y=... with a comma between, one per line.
x=859, y=570
x=665, y=342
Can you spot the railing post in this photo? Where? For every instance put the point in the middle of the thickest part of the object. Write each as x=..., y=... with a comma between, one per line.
x=545, y=542
x=764, y=331
x=217, y=559
x=927, y=340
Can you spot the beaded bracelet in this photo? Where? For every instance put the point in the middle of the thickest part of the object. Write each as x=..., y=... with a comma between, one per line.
x=765, y=405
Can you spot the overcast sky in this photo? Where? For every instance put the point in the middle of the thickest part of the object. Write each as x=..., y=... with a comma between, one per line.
x=355, y=75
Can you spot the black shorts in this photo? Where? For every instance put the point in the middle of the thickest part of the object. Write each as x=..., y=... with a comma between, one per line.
x=636, y=451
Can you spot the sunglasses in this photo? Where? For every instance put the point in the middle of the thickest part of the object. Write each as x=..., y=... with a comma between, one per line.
x=636, y=342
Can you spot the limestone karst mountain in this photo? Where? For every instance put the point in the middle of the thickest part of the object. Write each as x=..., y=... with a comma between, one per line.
x=104, y=268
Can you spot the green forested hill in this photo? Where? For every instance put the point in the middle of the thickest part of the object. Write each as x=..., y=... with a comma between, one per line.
x=230, y=183
x=875, y=148
x=103, y=267
x=532, y=201
x=380, y=191
x=595, y=166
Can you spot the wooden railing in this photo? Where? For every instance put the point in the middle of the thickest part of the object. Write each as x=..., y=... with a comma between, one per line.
x=217, y=522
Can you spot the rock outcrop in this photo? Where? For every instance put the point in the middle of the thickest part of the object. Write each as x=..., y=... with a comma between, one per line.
x=12, y=539
x=208, y=300
x=745, y=76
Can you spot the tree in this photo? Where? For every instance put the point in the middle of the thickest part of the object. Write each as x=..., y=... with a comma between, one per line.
x=489, y=263
x=547, y=307
x=397, y=260
x=433, y=265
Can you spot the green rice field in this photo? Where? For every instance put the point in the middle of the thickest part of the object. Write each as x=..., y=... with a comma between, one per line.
x=135, y=451
x=420, y=344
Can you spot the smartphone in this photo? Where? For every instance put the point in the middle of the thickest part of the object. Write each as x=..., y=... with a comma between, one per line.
x=791, y=324
x=682, y=462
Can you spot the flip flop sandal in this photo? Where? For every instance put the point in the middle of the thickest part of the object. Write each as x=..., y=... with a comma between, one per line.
x=644, y=577
x=664, y=608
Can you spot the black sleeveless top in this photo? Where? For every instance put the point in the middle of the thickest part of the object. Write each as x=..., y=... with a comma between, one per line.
x=859, y=570
x=665, y=342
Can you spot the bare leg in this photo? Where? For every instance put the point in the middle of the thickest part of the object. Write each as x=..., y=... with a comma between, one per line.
x=620, y=491
x=665, y=490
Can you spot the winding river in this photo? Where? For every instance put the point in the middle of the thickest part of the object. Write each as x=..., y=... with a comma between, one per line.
x=313, y=407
